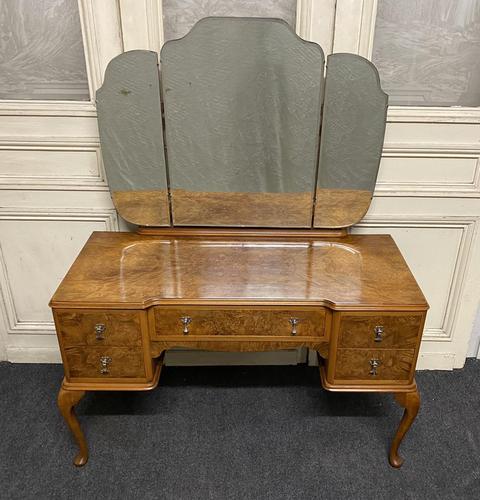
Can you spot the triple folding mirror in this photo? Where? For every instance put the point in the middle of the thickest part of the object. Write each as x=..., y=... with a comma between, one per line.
x=241, y=127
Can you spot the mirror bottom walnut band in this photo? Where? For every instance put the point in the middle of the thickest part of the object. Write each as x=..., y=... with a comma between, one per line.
x=128, y=298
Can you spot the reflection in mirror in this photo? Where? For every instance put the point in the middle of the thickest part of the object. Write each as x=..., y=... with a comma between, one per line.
x=242, y=115
x=321, y=260
x=351, y=143
x=131, y=134
x=180, y=15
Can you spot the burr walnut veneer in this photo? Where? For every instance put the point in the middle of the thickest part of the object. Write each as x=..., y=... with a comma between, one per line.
x=129, y=297
x=276, y=143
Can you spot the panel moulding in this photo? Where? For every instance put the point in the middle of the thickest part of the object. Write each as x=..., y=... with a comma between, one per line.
x=469, y=188
x=462, y=261
x=13, y=325
x=95, y=181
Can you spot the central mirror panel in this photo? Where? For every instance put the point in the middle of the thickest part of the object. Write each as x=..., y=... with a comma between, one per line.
x=242, y=100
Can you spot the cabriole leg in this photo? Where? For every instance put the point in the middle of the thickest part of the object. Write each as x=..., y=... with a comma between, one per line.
x=67, y=399
x=411, y=402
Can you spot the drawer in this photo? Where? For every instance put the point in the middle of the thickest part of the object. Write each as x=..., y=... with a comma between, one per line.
x=104, y=363
x=99, y=328
x=374, y=365
x=399, y=331
x=251, y=321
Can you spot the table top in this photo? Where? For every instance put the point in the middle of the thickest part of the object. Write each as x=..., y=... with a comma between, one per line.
x=128, y=271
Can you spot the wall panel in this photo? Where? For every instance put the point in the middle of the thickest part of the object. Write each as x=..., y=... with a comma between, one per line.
x=36, y=250
x=53, y=192
x=52, y=185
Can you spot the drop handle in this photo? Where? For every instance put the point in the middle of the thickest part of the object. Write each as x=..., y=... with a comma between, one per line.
x=378, y=330
x=186, y=320
x=294, y=322
x=104, y=362
x=100, y=329
x=374, y=363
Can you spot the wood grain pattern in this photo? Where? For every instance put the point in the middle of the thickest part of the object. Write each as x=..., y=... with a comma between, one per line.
x=360, y=386
x=335, y=208
x=127, y=271
x=76, y=328
x=117, y=384
x=194, y=208
x=411, y=402
x=251, y=321
x=354, y=364
x=240, y=291
x=400, y=331
x=84, y=362
x=237, y=344
x=243, y=233
x=146, y=208
x=66, y=401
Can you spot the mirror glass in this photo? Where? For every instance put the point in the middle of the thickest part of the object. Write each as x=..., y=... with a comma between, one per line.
x=354, y=114
x=245, y=141
x=131, y=136
x=242, y=103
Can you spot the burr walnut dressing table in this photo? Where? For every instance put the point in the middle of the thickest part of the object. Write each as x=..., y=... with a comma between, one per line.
x=243, y=167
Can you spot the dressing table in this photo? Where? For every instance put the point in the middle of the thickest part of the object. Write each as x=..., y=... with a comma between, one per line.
x=244, y=164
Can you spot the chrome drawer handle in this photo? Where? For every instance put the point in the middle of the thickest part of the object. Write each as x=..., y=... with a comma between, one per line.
x=104, y=362
x=186, y=320
x=294, y=323
x=99, y=331
x=374, y=363
x=378, y=330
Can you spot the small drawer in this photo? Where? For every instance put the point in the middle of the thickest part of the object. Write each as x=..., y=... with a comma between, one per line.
x=392, y=330
x=112, y=328
x=203, y=322
x=104, y=363
x=374, y=365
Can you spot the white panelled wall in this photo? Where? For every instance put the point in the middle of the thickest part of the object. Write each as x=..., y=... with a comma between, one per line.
x=54, y=193
x=427, y=196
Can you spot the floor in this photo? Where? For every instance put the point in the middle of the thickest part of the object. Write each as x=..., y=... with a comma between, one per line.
x=239, y=433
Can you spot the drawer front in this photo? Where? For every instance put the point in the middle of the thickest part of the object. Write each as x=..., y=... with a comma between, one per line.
x=398, y=331
x=374, y=365
x=292, y=322
x=112, y=328
x=104, y=363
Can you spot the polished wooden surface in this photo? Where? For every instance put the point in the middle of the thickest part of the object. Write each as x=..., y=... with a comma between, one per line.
x=239, y=291
x=399, y=330
x=236, y=344
x=194, y=208
x=85, y=362
x=411, y=402
x=394, y=365
x=247, y=321
x=119, y=328
x=66, y=402
x=348, y=367
x=127, y=271
x=115, y=384
x=340, y=207
x=250, y=233
x=148, y=208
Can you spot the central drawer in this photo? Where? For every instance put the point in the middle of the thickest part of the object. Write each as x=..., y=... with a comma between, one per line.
x=239, y=321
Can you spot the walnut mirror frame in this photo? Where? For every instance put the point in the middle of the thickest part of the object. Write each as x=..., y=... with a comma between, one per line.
x=231, y=133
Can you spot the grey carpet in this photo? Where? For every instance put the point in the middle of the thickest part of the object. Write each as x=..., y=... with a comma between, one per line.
x=239, y=433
